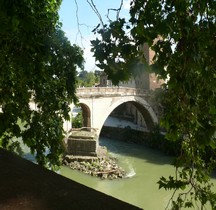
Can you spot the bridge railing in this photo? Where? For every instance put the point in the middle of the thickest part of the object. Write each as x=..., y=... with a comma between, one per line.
x=110, y=91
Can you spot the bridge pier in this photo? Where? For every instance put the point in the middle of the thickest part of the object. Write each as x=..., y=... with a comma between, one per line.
x=82, y=142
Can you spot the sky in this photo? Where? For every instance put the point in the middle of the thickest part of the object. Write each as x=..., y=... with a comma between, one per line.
x=78, y=20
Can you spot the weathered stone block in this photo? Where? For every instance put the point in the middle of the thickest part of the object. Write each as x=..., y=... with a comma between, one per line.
x=82, y=147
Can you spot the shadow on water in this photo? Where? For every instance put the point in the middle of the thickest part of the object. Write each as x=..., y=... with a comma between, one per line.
x=150, y=155
x=213, y=175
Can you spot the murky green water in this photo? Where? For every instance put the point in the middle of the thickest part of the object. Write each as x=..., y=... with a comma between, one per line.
x=144, y=167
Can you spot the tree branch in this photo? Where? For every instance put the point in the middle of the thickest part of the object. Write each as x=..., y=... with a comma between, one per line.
x=116, y=10
x=78, y=25
x=94, y=8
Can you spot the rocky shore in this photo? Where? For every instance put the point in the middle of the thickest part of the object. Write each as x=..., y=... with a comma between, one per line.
x=103, y=166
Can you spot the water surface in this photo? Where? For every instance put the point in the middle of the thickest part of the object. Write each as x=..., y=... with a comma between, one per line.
x=144, y=167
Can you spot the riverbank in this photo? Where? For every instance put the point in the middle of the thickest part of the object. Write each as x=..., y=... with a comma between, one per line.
x=102, y=166
x=153, y=139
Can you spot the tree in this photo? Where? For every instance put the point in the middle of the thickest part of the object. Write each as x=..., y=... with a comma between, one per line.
x=37, y=63
x=182, y=34
x=77, y=121
x=87, y=79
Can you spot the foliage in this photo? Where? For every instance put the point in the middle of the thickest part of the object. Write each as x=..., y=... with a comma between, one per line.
x=77, y=122
x=37, y=64
x=182, y=34
x=87, y=79
x=158, y=141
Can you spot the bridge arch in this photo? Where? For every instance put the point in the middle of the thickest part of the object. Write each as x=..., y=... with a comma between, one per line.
x=86, y=114
x=98, y=103
x=141, y=104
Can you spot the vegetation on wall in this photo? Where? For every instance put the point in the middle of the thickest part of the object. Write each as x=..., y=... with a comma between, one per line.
x=182, y=34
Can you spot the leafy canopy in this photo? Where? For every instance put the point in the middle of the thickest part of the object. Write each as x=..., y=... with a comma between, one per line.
x=182, y=34
x=87, y=79
x=37, y=64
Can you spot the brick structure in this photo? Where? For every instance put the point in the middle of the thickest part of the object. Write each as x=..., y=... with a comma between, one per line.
x=145, y=80
x=151, y=80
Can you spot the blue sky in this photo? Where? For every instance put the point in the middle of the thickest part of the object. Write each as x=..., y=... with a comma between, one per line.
x=87, y=20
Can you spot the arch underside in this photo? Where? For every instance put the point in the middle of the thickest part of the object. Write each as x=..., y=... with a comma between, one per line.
x=141, y=105
x=86, y=114
x=145, y=113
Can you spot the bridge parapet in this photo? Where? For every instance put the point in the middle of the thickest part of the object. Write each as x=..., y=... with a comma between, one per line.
x=110, y=91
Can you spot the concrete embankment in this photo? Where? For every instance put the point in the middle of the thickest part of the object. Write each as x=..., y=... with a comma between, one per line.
x=125, y=134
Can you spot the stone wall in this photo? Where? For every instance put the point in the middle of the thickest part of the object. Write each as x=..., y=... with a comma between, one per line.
x=125, y=134
x=82, y=143
x=82, y=147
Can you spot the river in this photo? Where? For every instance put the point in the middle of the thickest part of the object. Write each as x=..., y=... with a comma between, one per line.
x=144, y=167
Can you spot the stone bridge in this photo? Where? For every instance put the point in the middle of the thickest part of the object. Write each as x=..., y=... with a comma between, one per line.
x=98, y=103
